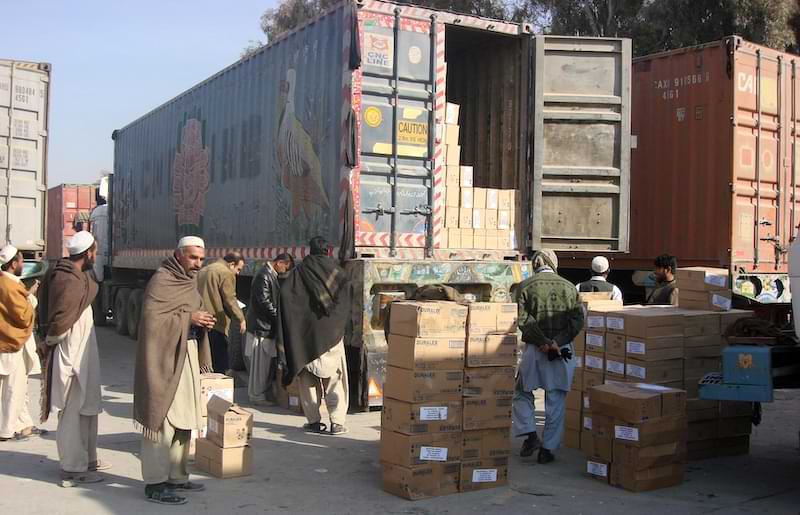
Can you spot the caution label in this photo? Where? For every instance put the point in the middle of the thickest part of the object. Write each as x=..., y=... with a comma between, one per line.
x=412, y=133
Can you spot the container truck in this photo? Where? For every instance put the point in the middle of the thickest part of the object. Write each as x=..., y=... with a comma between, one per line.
x=24, y=124
x=347, y=128
x=68, y=209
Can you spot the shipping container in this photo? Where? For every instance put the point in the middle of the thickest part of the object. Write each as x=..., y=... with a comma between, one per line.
x=338, y=129
x=68, y=209
x=714, y=175
x=24, y=121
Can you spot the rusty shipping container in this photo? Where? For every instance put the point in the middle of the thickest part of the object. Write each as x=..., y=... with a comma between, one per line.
x=714, y=175
x=68, y=209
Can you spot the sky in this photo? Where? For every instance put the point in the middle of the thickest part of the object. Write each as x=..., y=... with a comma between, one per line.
x=114, y=61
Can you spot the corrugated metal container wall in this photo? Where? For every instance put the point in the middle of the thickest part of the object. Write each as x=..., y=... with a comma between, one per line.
x=698, y=189
x=249, y=156
x=68, y=209
x=24, y=120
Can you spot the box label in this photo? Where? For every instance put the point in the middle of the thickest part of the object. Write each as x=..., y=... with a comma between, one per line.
x=594, y=362
x=586, y=402
x=634, y=347
x=721, y=302
x=484, y=475
x=717, y=280
x=578, y=361
x=615, y=367
x=594, y=340
x=433, y=453
x=456, y=344
x=595, y=322
x=637, y=371
x=427, y=413
x=294, y=401
x=615, y=323
x=587, y=423
x=597, y=469
x=626, y=433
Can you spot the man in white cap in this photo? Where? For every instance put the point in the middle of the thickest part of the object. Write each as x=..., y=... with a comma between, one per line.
x=18, y=357
x=599, y=281
x=172, y=352
x=72, y=361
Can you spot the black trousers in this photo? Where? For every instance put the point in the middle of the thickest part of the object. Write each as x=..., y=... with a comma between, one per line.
x=219, y=351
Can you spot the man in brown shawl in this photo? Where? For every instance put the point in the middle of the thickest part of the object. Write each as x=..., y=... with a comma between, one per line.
x=72, y=362
x=172, y=352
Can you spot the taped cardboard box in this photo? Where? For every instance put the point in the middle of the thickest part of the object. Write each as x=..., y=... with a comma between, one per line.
x=577, y=375
x=732, y=427
x=579, y=343
x=601, y=448
x=467, y=198
x=699, y=415
x=602, y=426
x=655, y=372
x=594, y=362
x=654, y=349
x=454, y=238
x=453, y=178
x=572, y=439
x=223, y=463
x=465, y=218
x=486, y=413
x=698, y=278
x=498, y=350
x=587, y=443
x=479, y=198
x=733, y=409
x=596, y=341
x=646, y=322
x=575, y=400
x=646, y=480
x=478, y=238
x=701, y=323
x=592, y=378
x=492, y=199
x=643, y=458
x=706, y=300
x=467, y=176
x=451, y=217
x=637, y=402
x=415, y=418
x=491, y=219
x=467, y=238
x=451, y=134
x=213, y=384
x=410, y=451
x=421, y=482
x=428, y=319
x=229, y=425
x=705, y=430
x=492, y=317
x=615, y=368
x=483, y=474
x=505, y=199
x=652, y=432
x=453, y=198
x=426, y=353
x=572, y=419
x=453, y=154
x=451, y=113
x=702, y=450
x=615, y=346
x=729, y=318
x=489, y=382
x=423, y=385
x=485, y=444
x=599, y=469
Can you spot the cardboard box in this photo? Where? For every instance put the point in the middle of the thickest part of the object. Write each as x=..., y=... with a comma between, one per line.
x=572, y=420
x=700, y=278
x=733, y=409
x=453, y=177
x=223, y=463
x=452, y=217
x=498, y=350
x=602, y=426
x=465, y=218
x=697, y=368
x=443, y=241
x=507, y=318
x=572, y=439
x=467, y=239
x=691, y=353
x=575, y=400
x=705, y=430
x=489, y=382
x=452, y=155
x=415, y=418
x=655, y=372
x=587, y=443
x=646, y=322
x=491, y=199
x=700, y=415
x=615, y=346
x=579, y=343
x=491, y=219
x=649, y=479
x=486, y=444
x=454, y=238
x=701, y=323
x=506, y=240
x=595, y=341
x=643, y=458
x=636, y=402
x=595, y=321
x=428, y=319
x=453, y=197
x=479, y=198
x=731, y=427
x=229, y=425
x=706, y=340
x=486, y=413
x=615, y=368
x=599, y=469
x=467, y=198
x=505, y=200
x=594, y=361
x=729, y=318
x=702, y=450
x=491, y=240
x=654, y=349
x=651, y=432
x=592, y=379
x=425, y=353
x=451, y=134
x=467, y=177
x=479, y=220
x=706, y=300
x=410, y=451
x=577, y=375
x=736, y=446
x=478, y=238
x=421, y=482
x=504, y=220
x=213, y=384
x=483, y=474
x=423, y=385
x=451, y=112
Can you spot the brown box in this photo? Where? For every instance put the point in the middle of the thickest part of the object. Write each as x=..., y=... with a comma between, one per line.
x=487, y=413
x=575, y=400
x=483, y=474
x=702, y=449
x=572, y=439
x=594, y=362
x=453, y=197
x=489, y=382
x=655, y=372
x=646, y=322
x=467, y=239
x=701, y=323
x=498, y=350
x=700, y=278
x=691, y=353
x=505, y=199
x=731, y=427
x=735, y=446
x=587, y=443
x=491, y=240
x=706, y=300
x=595, y=341
x=486, y=444
x=733, y=409
x=602, y=426
x=507, y=318
x=591, y=379
x=223, y=463
x=465, y=218
x=706, y=340
x=504, y=220
x=479, y=198
x=577, y=375
x=453, y=178
x=491, y=219
x=595, y=320
x=637, y=402
x=649, y=479
x=727, y=319
x=454, y=238
x=467, y=177
x=425, y=353
x=615, y=367
x=415, y=418
x=423, y=385
x=506, y=240
x=705, y=430
x=482, y=318
x=453, y=154
x=421, y=482
x=451, y=113
x=701, y=410
x=479, y=220
x=451, y=134
x=467, y=198
x=615, y=345
x=451, y=217
x=643, y=458
x=213, y=384
x=428, y=319
x=654, y=349
x=410, y=451
x=492, y=199
x=599, y=469
x=479, y=239
x=229, y=425
x=572, y=420
x=655, y=431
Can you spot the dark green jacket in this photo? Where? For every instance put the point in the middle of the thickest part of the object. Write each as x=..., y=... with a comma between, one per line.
x=549, y=309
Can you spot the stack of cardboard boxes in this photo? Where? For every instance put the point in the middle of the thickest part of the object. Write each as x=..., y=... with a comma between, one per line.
x=446, y=427
x=705, y=289
x=225, y=452
x=211, y=385
x=639, y=435
x=475, y=218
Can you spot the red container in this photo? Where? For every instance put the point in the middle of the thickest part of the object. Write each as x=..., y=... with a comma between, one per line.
x=68, y=210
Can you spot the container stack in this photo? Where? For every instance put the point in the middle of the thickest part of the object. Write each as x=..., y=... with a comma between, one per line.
x=475, y=218
x=705, y=289
x=639, y=435
x=225, y=452
x=211, y=385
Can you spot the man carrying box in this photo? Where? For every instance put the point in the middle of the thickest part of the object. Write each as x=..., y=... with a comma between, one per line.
x=550, y=317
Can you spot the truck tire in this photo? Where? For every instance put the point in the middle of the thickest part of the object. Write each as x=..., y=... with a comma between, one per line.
x=98, y=312
x=235, y=347
x=134, y=312
x=121, y=311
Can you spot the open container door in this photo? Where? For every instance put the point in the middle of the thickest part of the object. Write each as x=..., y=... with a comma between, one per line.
x=580, y=167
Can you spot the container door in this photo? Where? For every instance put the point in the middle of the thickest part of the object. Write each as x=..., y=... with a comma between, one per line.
x=394, y=199
x=580, y=165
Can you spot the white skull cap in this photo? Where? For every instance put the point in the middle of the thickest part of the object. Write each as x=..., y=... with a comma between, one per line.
x=191, y=241
x=7, y=253
x=80, y=243
x=600, y=265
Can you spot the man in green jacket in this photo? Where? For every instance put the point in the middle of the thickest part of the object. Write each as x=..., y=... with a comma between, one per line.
x=217, y=285
x=550, y=317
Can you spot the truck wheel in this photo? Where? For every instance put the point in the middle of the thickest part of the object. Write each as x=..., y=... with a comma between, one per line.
x=121, y=311
x=134, y=312
x=98, y=312
x=235, y=344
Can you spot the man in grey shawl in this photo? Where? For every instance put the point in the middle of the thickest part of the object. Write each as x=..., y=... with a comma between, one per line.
x=172, y=352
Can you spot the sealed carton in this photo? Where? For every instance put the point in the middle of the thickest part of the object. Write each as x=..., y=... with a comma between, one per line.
x=601, y=426
x=655, y=372
x=482, y=318
x=466, y=177
x=428, y=319
x=599, y=469
x=706, y=340
x=491, y=239
x=451, y=217
x=698, y=278
x=465, y=218
x=454, y=238
x=577, y=375
x=615, y=367
x=507, y=320
x=731, y=427
x=453, y=197
x=692, y=353
x=642, y=458
x=697, y=368
x=486, y=413
x=733, y=409
x=729, y=318
x=572, y=420
x=646, y=322
x=596, y=341
x=701, y=410
x=702, y=449
x=467, y=198
x=491, y=219
x=421, y=482
x=467, y=239
x=453, y=154
x=453, y=178
x=701, y=323
x=423, y=385
x=592, y=378
x=705, y=430
x=221, y=462
x=587, y=443
x=488, y=382
x=575, y=400
x=451, y=113
x=484, y=444
x=479, y=198
x=505, y=199
x=492, y=199
x=706, y=300
x=651, y=432
x=649, y=479
x=451, y=134
x=492, y=350
x=229, y=425
x=504, y=220
x=478, y=238
x=579, y=343
x=572, y=439
x=425, y=353
x=654, y=349
x=483, y=474
x=615, y=346
x=415, y=418
x=594, y=362
x=213, y=384
x=413, y=450
x=635, y=402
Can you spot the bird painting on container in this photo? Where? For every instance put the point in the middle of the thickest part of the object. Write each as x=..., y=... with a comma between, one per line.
x=300, y=168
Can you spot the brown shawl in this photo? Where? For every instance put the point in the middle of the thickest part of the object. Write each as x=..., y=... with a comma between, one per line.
x=65, y=295
x=169, y=301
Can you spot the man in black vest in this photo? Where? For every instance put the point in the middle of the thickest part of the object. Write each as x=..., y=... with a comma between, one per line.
x=599, y=281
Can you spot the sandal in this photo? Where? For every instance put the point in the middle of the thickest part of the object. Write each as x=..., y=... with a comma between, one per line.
x=94, y=466
x=187, y=487
x=71, y=479
x=164, y=495
x=318, y=428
